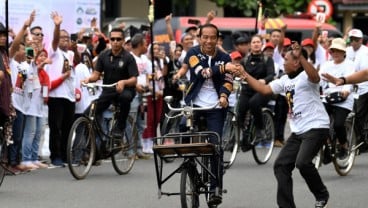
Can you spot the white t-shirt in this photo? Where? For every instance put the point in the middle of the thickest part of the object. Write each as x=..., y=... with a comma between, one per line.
x=33, y=101
x=360, y=59
x=306, y=110
x=82, y=72
x=342, y=69
x=67, y=88
x=207, y=95
x=143, y=64
x=18, y=92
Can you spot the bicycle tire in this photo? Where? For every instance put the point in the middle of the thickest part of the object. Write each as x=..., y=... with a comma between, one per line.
x=344, y=166
x=124, y=158
x=2, y=168
x=81, y=149
x=230, y=140
x=189, y=195
x=262, y=149
x=170, y=125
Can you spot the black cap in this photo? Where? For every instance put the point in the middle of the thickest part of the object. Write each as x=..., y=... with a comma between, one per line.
x=191, y=28
x=241, y=40
x=3, y=28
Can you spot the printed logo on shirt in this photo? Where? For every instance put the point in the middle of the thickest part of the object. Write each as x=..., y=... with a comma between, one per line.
x=193, y=61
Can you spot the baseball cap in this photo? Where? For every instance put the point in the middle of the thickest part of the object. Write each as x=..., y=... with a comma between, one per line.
x=235, y=55
x=339, y=44
x=356, y=33
x=287, y=42
x=268, y=45
x=308, y=41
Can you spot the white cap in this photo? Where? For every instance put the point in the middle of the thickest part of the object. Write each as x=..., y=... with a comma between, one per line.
x=356, y=33
x=127, y=39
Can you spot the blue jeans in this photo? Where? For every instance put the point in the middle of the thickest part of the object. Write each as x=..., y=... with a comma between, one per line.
x=299, y=152
x=136, y=114
x=14, y=150
x=31, y=138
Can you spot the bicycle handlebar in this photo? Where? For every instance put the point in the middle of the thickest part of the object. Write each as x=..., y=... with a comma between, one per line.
x=95, y=84
x=189, y=108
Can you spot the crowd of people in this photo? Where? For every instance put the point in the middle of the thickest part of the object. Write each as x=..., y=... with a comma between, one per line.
x=42, y=85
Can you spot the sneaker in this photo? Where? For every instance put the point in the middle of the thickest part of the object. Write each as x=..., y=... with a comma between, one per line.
x=141, y=155
x=57, y=163
x=343, y=153
x=327, y=158
x=278, y=143
x=321, y=204
x=117, y=132
x=214, y=200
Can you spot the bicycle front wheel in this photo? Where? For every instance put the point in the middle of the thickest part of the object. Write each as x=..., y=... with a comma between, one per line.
x=344, y=165
x=124, y=157
x=81, y=148
x=189, y=195
x=230, y=140
x=263, y=147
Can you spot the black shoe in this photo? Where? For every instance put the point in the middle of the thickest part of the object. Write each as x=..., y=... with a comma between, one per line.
x=321, y=204
x=260, y=134
x=343, y=153
x=214, y=200
x=327, y=158
x=117, y=132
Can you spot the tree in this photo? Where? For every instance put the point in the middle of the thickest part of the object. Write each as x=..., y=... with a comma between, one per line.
x=275, y=7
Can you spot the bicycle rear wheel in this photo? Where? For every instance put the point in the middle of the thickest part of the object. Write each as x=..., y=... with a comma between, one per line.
x=263, y=147
x=344, y=165
x=189, y=195
x=81, y=148
x=124, y=157
x=230, y=140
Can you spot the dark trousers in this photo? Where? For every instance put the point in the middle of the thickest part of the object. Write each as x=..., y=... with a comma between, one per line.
x=361, y=115
x=281, y=110
x=123, y=99
x=215, y=120
x=61, y=117
x=255, y=102
x=15, y=149
x=299, y=152
x=339, y=116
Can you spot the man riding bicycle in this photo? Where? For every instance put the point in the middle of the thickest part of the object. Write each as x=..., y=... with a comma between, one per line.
x=209, y=83
x=116, y=65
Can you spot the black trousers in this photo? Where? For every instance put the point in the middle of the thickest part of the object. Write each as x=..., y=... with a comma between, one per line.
x=299, y=152
x=281, y=110
x=61, y=117
x=254, y=102
x=361, y=115
x=124, y=99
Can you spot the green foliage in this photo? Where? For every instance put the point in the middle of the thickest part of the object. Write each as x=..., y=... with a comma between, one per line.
x=276, y=7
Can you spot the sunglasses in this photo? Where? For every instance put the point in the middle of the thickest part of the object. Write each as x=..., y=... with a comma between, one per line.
x=38, y=34
x=116, y=39
x=353, y=39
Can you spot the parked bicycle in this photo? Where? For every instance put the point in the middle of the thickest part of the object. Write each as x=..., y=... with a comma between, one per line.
x=331, y=149
x=89, y=141
x=3, y=157
x=262, y=148
x=194, y=147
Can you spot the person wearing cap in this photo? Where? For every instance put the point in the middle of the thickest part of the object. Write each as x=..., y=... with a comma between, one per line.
x=241, y=44
x=128, y=44
x=309, y=123
x=339, y=66
x=309, y=45
x=358, y=53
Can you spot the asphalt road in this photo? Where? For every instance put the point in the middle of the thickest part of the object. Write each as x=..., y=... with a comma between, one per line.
x=248, y=185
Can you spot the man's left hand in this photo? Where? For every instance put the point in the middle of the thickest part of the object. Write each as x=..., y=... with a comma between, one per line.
x=120, y=86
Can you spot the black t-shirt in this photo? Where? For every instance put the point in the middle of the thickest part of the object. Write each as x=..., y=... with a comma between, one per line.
x=115, y=68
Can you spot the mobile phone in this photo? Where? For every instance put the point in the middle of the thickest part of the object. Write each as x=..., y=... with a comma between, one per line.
x=194, y=21
x=29, y=52
x=266, y=13
x=73, y=37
